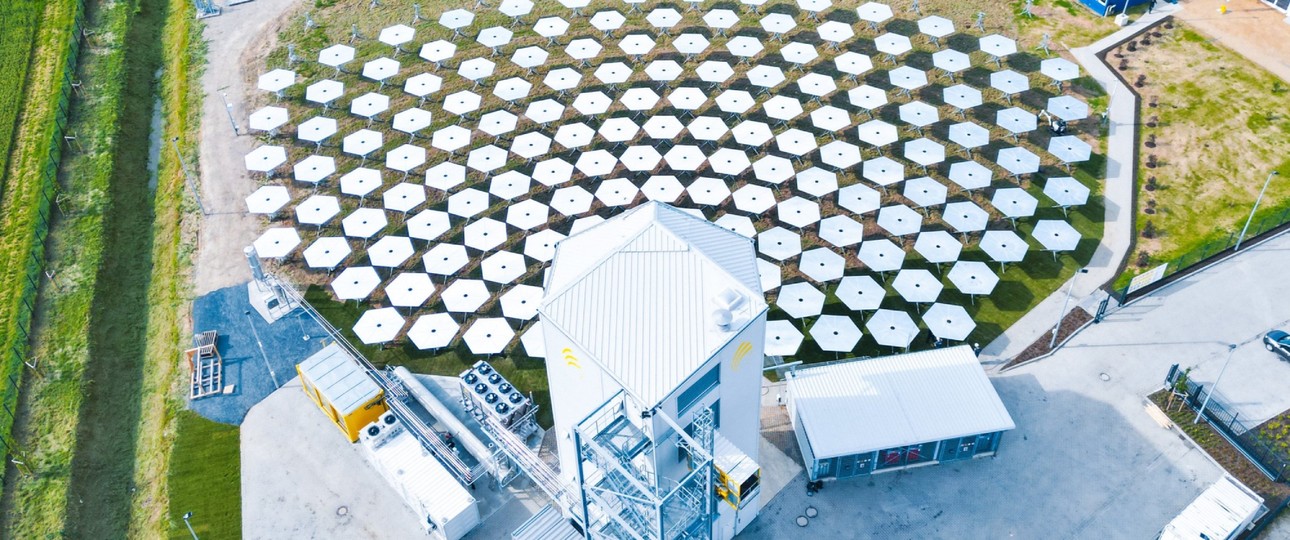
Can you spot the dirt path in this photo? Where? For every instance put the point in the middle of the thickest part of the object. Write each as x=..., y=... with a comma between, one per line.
x=235, y=38
x=1251, y=28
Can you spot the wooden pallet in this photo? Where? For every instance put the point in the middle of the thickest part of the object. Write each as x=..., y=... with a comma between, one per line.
x=205, y=366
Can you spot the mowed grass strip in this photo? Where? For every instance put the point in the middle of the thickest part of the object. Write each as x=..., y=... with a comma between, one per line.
x=50, y=400
x=1218, y=128
x=24, y=205
x=205, y=479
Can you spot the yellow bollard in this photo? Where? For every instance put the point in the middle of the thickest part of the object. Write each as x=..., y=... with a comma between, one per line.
x=1222, y=9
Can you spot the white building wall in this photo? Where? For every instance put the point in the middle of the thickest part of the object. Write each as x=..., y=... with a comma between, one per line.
x=741, y=387
x=578, y=386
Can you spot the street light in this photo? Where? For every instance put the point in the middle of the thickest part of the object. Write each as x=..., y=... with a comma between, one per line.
x=1230, y=349
x=188, y=516
x=1062, y=314
x=228, y=108
x=1253, y=210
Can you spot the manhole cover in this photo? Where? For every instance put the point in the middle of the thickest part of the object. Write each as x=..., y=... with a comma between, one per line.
x=342, y=511
x=1104, y=377
x=811, y=512
x=802, y=521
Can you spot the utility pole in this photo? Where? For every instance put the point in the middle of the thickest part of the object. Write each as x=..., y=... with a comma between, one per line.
x=1253, y=210
x=174, y=143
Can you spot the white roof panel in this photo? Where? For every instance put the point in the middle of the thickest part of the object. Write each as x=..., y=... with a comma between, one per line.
x=874, y=404
x=637, y=292
x=1219, y=512
x=339, y=378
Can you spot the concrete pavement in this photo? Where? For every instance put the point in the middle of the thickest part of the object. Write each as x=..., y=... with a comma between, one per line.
x=1118, y=190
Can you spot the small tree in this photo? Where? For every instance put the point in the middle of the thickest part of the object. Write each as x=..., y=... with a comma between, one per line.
x=1179, y=389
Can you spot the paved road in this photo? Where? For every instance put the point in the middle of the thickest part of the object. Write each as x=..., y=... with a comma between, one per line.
x=1085, y=460
x=235, y=40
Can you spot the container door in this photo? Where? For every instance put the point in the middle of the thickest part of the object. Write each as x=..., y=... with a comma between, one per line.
x=846, y=466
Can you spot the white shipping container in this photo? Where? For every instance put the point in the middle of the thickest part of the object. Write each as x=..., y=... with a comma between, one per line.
x=447, y=510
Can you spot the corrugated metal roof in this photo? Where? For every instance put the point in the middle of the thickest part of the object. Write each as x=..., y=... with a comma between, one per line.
x=423, y=478
x=637, y=293
x=339, y=378
x=1219, y=512
x=874, y=404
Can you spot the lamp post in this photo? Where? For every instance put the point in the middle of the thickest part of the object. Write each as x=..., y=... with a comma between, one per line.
x=1230, y=349
x=188, y=516
x=228, y=108
x=1062, y=314
x=1253, y=210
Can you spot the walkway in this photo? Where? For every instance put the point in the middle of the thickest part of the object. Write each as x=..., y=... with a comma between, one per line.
x=238, y=40
x=1117, y=235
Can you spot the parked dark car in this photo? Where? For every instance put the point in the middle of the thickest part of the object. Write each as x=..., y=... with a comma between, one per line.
x=1278, y=342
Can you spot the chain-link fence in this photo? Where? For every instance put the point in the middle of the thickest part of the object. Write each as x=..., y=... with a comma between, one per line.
x=33, y=260
x=1227, y=422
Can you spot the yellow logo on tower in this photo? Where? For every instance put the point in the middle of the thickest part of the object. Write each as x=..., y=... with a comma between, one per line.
x=569, y=359
x=740, y=352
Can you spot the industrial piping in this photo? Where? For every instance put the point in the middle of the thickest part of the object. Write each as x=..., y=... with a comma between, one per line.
x=460, y=433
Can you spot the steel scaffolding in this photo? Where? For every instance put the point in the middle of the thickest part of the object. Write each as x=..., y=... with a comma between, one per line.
x=624, y=495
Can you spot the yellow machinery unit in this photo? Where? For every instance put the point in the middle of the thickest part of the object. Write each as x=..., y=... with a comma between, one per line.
x=344, y=391
x=738, y=478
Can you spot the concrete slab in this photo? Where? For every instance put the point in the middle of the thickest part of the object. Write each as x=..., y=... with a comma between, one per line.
x=258, y=357
x=302, y=479
x=298, y=472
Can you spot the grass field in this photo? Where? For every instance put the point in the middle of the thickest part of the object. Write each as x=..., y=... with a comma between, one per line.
x=1218, y=128
x=25, y=205
x=49, y=403
x=19, y=21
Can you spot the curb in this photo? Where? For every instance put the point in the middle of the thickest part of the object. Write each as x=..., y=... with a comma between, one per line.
x=1054, y=350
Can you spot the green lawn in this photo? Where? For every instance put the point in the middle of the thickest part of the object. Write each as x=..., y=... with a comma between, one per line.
x=205, y=478
x=1219, y=127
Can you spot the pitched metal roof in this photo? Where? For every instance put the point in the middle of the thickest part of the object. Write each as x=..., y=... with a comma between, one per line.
x=339, y=378
x=874, y=404
x=638, y=293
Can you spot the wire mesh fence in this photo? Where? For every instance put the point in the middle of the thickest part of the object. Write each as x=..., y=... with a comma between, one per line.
x=1227, y=422
x=33, y=261
x=1213, y=250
